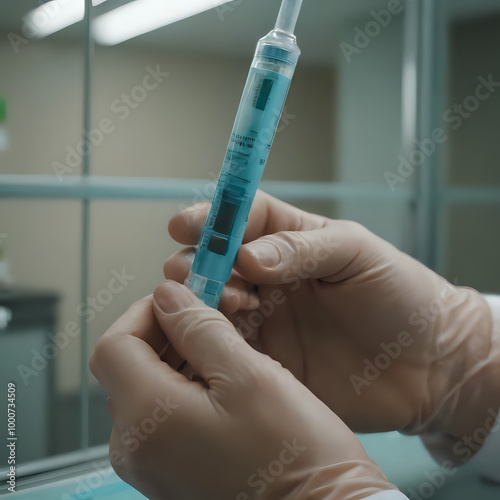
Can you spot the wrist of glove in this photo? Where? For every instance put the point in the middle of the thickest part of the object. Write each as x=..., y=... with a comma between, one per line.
x=350, y=480
x=464, y=380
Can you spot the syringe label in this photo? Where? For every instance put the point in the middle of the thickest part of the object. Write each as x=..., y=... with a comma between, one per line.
x=261, y=89
x=225, y=217
x=248, y=148
x=218, y=245
x=264, y=92
x=238, y=158
x=256, y=84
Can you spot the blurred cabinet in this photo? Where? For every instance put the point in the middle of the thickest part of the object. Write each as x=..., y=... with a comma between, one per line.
x=28, y=352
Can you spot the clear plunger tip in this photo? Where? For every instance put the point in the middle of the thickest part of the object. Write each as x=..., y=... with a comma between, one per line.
x=288, y=15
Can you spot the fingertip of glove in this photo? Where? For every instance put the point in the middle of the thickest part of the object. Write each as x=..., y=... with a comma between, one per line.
x=265, y=253
x=172, y=297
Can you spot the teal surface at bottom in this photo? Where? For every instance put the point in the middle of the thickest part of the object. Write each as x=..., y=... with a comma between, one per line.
x=403, y=459
x=407, y=464
x=102, y=484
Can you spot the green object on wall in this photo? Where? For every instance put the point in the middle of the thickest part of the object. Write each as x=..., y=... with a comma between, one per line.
x=3, y=109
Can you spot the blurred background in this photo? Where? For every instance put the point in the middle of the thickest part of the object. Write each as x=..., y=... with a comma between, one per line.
x=106, y=131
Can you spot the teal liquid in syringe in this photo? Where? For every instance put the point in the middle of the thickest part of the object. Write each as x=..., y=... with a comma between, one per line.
x=253, y=133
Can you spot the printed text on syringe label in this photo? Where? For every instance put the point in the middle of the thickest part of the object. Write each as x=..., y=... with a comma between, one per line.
x=255, y=127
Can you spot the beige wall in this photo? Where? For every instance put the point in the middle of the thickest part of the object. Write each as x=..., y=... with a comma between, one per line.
x=43, y=87
x=180, y=129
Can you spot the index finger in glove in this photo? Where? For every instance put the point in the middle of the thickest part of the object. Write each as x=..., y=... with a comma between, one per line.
x=125, y=358
x=200, y=334
x=268, y=215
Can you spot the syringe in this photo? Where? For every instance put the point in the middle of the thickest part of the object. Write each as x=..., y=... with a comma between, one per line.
x=253, y=132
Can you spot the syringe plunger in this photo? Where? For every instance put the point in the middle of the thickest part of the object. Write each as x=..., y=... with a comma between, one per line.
x=288, y=15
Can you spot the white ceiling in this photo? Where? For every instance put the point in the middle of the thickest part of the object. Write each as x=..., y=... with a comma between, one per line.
x=236, y=34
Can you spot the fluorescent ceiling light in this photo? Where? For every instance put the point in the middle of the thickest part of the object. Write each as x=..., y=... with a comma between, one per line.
x=142, y=16
x=54, y=16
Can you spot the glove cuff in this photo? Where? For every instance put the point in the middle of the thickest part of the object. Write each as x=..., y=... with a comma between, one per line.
x=468, y=361
x=350, y=480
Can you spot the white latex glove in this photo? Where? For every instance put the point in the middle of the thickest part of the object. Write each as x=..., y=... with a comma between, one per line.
x=245, y=428
x=386, y=343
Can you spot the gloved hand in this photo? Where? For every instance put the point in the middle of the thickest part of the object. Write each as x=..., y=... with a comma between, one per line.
x=386, y=343
x=245, y=428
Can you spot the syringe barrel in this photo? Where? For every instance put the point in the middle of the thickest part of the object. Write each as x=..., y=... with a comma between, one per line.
x=253, y=132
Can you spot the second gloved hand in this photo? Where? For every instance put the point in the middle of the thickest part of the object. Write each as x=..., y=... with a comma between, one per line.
x=385, y=342
x=244, y=429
